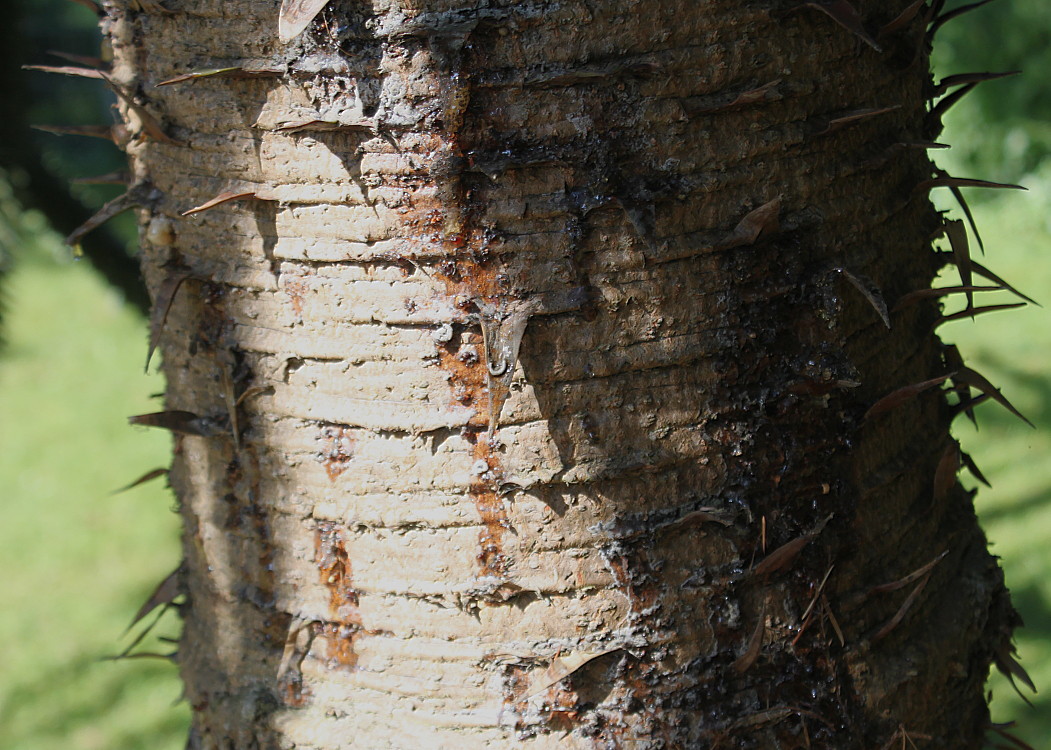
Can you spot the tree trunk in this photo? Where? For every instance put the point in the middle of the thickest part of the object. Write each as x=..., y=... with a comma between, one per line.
x=670, y=522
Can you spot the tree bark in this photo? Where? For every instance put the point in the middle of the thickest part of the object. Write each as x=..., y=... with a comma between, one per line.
x=671, y=523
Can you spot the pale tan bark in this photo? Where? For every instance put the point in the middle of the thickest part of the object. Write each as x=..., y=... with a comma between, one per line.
x=370, y=562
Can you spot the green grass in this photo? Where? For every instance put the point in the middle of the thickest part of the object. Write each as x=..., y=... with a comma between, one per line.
x=78, y=560
x=1013, y=350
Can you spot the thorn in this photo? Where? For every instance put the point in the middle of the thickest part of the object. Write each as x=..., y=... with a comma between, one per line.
x=104, y=132
x=134, y=196
x=973, y=468
x=1010, y=668
x=764, y=93
x=1001, y=729
x=846, y=15
x=236, y=71
x=755, y=644
x=149, y=476
x=902, y=611
x=69, y=70
x=86, y=61
x=964, y=78
x=958, y=195
x=295, y=627
x=503, y=328
x=978, y=381
x=787, y=552
x=183, y=422
x=903, y=19
x=855, y=115
x=871, y=293
x=295, y=16
x=946, y=103
x=169, y=287
x=110, y=178
x=165, y=593
x=939, y=291
x=975, y=311
x=966, y=405
x=561, y=666
x=950, y=15
x=149, y=124
x=886, y=588
x=987, y=274
x=900, y=396
x=762, y=221
x=961, y=253
x=225, y=197
x=805, y=619
x=947, y=181
x=90, y=5
x=945, y=474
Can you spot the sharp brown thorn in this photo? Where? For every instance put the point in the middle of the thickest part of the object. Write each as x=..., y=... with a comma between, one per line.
x=979, y=381
x=871, y=293
x=224, y=197
x=164, y=593
x=901, y=583
x=898, y=397
x=69, y=70
x=755, y=645
x=91, y=131
x=903, y=19
x=939, y=291
x=972, y=312
x=946, y=102
x=973, y=468
x=846, y=15
x=169, y=287
x=86, y=61
x=986, y=273
x=111, y=178
x=944, y=18
x=123, y=202
x=902, y=611
x=961, y=253
x=787, y=552
x=147, y=477
x=949, y=181
x=90, y=5
x=960, y=79
x=945, y=473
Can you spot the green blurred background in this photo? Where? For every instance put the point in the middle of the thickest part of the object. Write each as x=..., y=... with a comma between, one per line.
x=78, y=559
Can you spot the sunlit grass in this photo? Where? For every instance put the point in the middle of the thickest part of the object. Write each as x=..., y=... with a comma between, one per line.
x=1013, y=350
x=77, y=559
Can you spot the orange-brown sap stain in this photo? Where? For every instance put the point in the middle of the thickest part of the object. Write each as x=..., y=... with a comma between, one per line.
x=294, y=693
x=640, y=597
x=295, y=291
x=339, y=640
x=330, y=555
x=495, y=523
x=562, y=706
x=443, y=214
x=337, y=449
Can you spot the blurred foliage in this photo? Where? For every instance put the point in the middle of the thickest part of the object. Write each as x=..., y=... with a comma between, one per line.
x=1002, y=129
x=48, y=26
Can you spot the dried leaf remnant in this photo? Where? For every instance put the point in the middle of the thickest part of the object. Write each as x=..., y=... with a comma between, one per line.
x=295, y=16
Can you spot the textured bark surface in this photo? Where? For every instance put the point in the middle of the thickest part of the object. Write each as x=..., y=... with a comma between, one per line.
x=675, y=535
